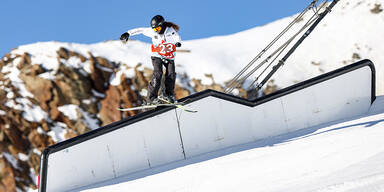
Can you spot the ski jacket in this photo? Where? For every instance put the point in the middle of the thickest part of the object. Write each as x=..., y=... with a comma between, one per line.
x=163, y=45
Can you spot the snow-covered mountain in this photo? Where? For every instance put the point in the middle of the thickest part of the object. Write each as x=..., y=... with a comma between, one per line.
x=52, y=91
x=352, y=31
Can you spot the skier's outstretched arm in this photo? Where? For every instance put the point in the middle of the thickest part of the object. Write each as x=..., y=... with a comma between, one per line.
x=142, y=30
x=147, y=31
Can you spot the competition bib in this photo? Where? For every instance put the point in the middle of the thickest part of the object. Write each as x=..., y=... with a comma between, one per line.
x=165, y=49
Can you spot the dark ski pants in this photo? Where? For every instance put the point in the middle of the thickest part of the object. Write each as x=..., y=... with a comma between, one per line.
x=170, y=77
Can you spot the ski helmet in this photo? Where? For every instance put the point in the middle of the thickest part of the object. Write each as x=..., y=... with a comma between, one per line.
x=157, y=21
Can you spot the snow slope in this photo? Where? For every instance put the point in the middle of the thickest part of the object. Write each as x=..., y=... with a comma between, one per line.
x=338, y=156
x=350, y=32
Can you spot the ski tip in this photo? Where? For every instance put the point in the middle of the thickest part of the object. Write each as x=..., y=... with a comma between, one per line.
x=120, y=109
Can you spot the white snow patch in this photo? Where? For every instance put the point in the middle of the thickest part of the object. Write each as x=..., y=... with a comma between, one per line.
x=10, y=95
x=98, y=94
x=31, y=190
x=88, y=120
x=87, y=67
x=69, y=110
x=43, y=54
x=236, y=92
x=47, y=61
x=2, y=112
x=83, y=72
x=130, y=73
x=33, y=176
x=58, y=132
x=143, y=92
x=86, y=101
x=14, y=105
x=74, y=62
x=31, y=112
x=36, y=151
x=40, y=130
x=13, y=75
x=23, y=156
x=50, y=75
x=12, y=160
x=206, y=81
x=192, y=84
x=104, y=68
x=116, y=78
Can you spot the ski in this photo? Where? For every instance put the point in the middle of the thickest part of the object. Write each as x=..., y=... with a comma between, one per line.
x=178, y=105
x=152, y=106
x=143, y=107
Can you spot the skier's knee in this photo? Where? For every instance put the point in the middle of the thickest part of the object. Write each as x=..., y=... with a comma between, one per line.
x=172, y=76
x=157, y=75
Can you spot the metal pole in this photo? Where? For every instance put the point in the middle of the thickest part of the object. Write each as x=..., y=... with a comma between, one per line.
x=282, y=61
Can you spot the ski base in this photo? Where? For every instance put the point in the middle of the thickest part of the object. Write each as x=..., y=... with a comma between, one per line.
x=178, y=105
x=142, y=107
x=152, y=106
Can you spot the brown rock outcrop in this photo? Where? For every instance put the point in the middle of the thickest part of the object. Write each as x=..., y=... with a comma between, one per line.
x=66, y=54
x=39, y=141
x=142, y=77
x=180, y=92
x=72, y=85
x=63, y=53
x=25, y=61
x=129, y=97
x=14, y=136
x=40, y=88
x=108, y=112
x=3, y=95
x=8, y=183
x=201, y=87
x=13, y=140
x=101, y=71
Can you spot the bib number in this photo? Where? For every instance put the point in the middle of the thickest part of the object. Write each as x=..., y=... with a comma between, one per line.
x=166, y=50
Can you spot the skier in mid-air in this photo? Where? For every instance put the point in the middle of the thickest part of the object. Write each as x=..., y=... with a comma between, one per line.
x=165, y=39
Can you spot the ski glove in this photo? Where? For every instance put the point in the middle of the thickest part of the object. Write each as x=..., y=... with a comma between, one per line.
x=178, y=44
x=124, y=36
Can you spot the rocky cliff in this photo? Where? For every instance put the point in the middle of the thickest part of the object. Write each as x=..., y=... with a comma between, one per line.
x=42, y=105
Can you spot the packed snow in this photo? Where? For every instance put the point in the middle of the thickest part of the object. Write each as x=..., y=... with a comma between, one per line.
x=340, y=156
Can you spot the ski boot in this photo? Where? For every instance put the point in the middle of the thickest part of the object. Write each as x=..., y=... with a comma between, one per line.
x=168, y=98
x=155, y=101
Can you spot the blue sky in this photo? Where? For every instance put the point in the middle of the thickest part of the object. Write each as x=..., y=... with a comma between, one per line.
x=90, y=21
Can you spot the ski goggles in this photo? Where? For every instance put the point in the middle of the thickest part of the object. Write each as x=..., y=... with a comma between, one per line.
x=158, y=28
